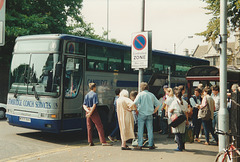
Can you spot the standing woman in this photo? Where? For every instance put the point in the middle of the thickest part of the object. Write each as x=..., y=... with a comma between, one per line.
x=179, y=106
x=125, y=118
x=169, y=100
x=207, y=124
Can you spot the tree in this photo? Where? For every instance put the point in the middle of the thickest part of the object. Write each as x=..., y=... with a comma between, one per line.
x=27, y=17
x=24, y=17
x=213, y=27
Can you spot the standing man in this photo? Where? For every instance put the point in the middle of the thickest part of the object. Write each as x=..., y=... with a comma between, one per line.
x=196, y=100
x=89, y=105
x=216, y=98
x=146, y=101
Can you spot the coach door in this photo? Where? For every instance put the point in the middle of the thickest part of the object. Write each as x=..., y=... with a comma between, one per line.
x=73, y=93
x=156, y=82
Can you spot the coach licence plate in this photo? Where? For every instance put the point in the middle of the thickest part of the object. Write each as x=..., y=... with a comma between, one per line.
x=24, y=119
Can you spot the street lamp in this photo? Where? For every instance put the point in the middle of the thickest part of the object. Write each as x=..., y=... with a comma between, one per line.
x=179, y=43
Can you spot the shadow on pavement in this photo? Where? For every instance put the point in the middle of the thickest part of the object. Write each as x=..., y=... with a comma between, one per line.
x=203, y=152
x=72, y=138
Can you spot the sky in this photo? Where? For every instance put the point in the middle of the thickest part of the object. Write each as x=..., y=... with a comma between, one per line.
x=171, y=21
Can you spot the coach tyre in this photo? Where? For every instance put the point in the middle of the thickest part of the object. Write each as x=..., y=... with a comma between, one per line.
x=2, y=113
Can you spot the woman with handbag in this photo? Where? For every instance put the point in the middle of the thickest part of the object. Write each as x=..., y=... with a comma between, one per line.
x=206, y=112
x=178, y=109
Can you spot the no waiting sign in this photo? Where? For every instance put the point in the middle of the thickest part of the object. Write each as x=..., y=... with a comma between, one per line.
x=2, y=21
x=140, y=50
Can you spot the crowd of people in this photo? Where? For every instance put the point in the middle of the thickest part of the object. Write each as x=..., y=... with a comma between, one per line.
x=135, y=111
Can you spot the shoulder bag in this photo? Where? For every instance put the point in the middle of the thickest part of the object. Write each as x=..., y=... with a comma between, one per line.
x=176, y=120
x=204, y=113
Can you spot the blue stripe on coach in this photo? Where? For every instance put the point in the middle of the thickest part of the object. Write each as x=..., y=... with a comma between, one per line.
x=121, y=83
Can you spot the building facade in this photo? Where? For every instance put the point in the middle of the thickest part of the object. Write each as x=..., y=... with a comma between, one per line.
x=211, y=52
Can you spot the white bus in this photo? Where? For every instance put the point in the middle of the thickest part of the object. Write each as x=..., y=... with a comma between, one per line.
x=49, y=77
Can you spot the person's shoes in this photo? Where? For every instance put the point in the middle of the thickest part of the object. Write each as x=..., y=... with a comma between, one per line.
x=138, y=148
x=206, y=143
x=125, y=148
x=106, y=144
x=152, y=147
x=160, y=132
x=91, y=144
x=196, y=139
x=177, y=149
x=110, y=138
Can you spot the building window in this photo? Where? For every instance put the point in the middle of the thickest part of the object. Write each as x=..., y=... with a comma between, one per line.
x=213, y=61
x=238, y=61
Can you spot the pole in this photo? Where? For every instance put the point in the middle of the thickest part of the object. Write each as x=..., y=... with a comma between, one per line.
x=174, y=48
x=169, y=76
x=140, y=72
x=223, y=115
x=143, y=15
x=107, y=18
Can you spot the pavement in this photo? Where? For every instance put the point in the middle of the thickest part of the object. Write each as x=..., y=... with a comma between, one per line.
x=196, y=152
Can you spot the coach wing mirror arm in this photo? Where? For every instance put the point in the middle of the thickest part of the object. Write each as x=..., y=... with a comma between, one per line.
x=58, y=71
x=35, y=92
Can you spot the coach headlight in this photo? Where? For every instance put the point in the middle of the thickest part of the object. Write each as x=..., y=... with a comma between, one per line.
x=54, y=116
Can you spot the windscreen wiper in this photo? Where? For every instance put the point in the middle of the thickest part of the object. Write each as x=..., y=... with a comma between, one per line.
x=16, y=92
x=35, y=93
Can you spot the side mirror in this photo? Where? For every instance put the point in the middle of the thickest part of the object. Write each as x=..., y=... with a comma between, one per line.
x=58, y=70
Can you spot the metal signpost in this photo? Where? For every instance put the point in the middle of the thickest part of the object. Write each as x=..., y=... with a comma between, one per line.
x=141, y=49
x=141, y=53
x=223, y=117
x=2, y=22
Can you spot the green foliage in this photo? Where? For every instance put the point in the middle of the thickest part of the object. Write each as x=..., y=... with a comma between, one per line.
x=213, y=27
x=27, y=17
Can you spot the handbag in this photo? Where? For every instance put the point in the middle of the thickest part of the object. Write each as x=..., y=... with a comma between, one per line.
x=188, y=135
x=176, y=120
x=204, y=113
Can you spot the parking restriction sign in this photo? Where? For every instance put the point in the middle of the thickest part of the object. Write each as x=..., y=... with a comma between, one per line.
x=140, y=50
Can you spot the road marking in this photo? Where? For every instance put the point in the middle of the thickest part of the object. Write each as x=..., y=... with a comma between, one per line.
x=42, y=153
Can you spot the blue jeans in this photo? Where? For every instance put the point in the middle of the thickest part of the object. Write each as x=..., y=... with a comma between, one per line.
x=148, y=120
x=116, y=131
x=215, y=120
x=207, y=125
x=179, y=140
